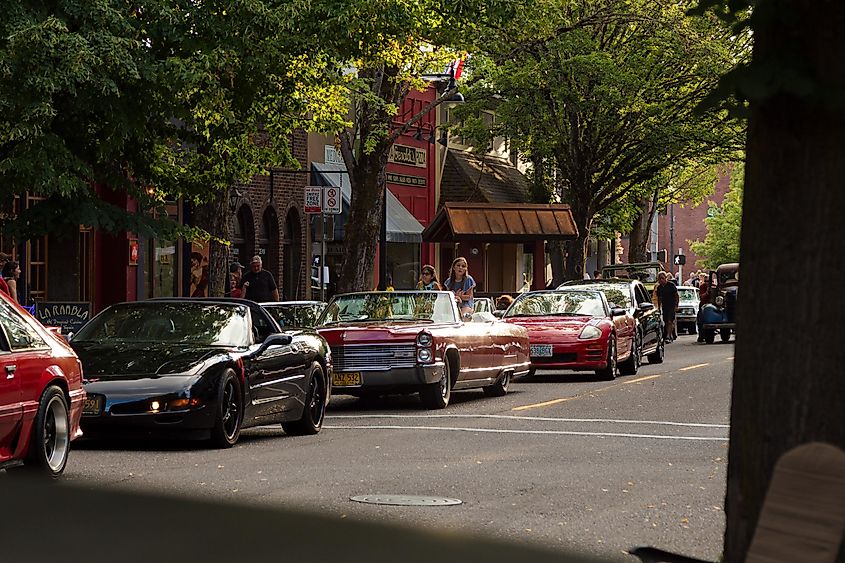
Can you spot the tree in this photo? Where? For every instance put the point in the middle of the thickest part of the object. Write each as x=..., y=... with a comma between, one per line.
x=383, y=48
x=166, y=100
x=787, y=385
x=608, y=90
x=721, y=244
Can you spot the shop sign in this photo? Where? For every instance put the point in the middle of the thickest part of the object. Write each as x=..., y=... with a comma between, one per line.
x=69, y=316
x=409, y=156
x=133, y=252
x=406, y=179
x=332, y=155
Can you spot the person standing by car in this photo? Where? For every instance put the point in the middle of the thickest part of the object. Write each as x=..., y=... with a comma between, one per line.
x=461, y=284
x=11, y=273
x=668, y=298
x=258, y=284
x=236, y=271
x=4, y=287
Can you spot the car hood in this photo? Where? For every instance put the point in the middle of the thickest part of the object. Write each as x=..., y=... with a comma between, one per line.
x=134, y=361
x=374, y=332
x=553, y=327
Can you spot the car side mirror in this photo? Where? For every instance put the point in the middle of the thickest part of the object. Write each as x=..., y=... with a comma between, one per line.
x=617, y=312
x=275, y=339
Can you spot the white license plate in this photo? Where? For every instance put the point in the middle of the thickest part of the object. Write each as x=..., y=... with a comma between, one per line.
x=541, y=350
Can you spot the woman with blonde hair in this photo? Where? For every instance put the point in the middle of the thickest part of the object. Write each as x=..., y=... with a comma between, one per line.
x=461, y=284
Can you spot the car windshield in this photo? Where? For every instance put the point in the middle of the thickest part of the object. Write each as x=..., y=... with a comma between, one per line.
x=688, y=294
x=296, y=315
x=645, y=274
x=618, y=294
x=558, y=303
x=204, y=324
x=421, y=306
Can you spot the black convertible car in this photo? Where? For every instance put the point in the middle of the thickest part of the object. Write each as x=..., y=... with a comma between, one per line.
x=202, y=367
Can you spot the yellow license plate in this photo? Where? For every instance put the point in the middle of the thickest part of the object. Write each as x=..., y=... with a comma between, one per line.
x=346, y=379
x=92, y=405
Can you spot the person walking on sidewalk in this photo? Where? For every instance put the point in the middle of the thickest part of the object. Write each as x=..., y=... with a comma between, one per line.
x=668, y=298
x=258, y=284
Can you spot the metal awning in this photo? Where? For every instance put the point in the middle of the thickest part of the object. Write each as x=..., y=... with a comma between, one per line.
x=509, y=222
x=402, y=226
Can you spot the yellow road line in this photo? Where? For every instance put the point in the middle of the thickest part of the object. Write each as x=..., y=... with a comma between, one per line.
x=729, y=358
x=637, y=380
x=546, y=404
x=693, y=367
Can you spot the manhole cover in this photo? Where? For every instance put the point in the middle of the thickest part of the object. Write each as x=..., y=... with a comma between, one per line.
x=406, y=500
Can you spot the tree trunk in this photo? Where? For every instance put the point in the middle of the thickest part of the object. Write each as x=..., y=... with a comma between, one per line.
x=788, y=387
x=576, y=253
x=641, y=231
x=557, y=257
x=213, y=217
x=368, y=180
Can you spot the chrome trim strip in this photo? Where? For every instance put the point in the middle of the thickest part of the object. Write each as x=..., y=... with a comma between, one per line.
x=269, y=400
x=282, y=380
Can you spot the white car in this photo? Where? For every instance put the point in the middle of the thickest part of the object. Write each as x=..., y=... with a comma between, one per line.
x=687, y=308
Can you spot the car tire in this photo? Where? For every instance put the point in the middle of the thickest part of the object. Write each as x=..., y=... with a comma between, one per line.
x=609, y=372
x=725, y=334
x=709, y=335
x=436, y=395
x=632, y=364
x=49, y=443
x=314, y=411
x=692, y=328
x=230, y=407
x=500, y=388
x=657, y=356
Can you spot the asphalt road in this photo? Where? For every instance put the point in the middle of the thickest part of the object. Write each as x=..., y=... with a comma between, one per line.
x=563, y=461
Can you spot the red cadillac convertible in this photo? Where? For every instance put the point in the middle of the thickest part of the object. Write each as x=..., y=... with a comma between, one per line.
x=415, y=341
x=41, y=394
x=575, y=330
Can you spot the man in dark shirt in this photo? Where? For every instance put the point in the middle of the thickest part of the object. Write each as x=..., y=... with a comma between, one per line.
x=258, y=284
x=667, y=296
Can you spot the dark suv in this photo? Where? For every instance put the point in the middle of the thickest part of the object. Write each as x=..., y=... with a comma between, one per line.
x=632, y=296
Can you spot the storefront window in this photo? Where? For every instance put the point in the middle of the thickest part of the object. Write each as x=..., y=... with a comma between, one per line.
x=403, y=264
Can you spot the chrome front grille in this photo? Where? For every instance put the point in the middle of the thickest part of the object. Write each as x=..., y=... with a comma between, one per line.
x=369, y=357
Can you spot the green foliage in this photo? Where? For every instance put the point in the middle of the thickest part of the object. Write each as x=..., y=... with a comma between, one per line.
x=721, y=244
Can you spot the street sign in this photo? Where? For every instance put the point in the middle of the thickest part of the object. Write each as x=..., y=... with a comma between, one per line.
x=680, y=259
x=313, y=199
x=331, y=200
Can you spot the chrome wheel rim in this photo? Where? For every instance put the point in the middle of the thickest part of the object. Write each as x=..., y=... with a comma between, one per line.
x=317, y=407
x=444, y=381
x=611, y=357
x=506, y=380
x=231, y=409
x=56, y=434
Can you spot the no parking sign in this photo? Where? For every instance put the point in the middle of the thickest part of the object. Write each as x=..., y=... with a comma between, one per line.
x=331, y=200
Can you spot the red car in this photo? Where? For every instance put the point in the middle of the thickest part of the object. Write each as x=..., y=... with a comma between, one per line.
x=576, y=330
x=415, y=341
x=41, y=395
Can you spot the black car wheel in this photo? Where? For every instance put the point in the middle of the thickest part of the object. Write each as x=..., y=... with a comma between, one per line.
x=500, y=388
x=632, y=364
x=315, y=406
x=49, y=444
x=709, y=335
x=725, y=334
x=609, y=372
x=227, y=426
x=692, y=328
x=437, y=395
x=656, y=357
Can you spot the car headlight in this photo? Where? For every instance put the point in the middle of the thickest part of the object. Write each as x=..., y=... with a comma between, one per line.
x=589, y=332
x=424, y=339
x=424, y=355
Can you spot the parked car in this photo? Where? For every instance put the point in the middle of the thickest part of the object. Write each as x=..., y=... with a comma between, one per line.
x=688, y=301
x=644, y=272
x=200, y=368
x=719, y=315
x=576, y=329
x=415, y=341
x=41, y=394
x=295, y=314
x=483, y=305
x=632, y=296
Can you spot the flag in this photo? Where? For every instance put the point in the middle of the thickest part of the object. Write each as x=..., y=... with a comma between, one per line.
x=456, y=66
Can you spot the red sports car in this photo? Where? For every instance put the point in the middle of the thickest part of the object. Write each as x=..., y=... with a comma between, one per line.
x=41, y=395
x=576, y=330
x=415, y=341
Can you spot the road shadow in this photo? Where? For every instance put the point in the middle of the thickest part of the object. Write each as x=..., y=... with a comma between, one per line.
x=402, y=402
x=558, y=377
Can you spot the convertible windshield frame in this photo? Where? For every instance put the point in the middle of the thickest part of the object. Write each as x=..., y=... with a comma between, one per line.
x=390, y=307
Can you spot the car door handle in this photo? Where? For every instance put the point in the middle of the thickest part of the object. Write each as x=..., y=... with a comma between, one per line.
x=10, y=372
